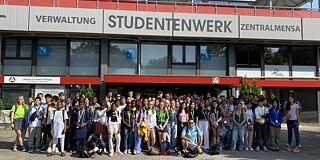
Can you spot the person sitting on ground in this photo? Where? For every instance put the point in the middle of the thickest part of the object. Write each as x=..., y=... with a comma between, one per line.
x=192, y=137
x=90, y=148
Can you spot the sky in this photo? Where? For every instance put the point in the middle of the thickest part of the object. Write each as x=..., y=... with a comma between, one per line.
x=308, y=5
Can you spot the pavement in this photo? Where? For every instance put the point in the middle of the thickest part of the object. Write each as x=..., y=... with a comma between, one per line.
x=309, y=135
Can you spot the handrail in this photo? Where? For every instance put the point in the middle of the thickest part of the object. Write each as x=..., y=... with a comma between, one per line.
x=180, y=7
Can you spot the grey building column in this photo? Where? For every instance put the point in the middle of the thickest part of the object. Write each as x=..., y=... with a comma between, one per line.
x=231, y=60
x=1, y=73
x=318, y=100
x=103, y=66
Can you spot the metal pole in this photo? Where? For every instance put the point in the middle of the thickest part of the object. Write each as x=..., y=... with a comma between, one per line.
x=4, y=2
x=117, y=4
x=97, y=5
x=270, y=3
x=53, y=3
x=77, y=3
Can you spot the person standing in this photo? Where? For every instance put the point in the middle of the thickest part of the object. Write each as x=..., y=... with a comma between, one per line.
x=203, y=123
x=50, y=108
x=162, y=118
x=35, y=123
x=59, y=119
x=215, y=119
x=261, y=126
x=172, y=126
x=18, y=119
x=100, y=122
x=140, y=115
x=114, y=121
x=275, y=125
x=250, y=126
x=151, y=123
x=239, y=119
x=293, y=121
x=127, y=126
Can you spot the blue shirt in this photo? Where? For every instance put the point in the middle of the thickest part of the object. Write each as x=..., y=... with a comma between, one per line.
x=173, y=116
x=192, y=133
x=275, y=115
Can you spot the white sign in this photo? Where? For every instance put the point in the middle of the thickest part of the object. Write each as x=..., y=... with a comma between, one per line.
x=66, y=20
x=49, y=89
x=249, y=72
x=256, y=27
x=31, y=80
x=311, y=28
x=14, y=17
x=276, y=71
x=304, y=71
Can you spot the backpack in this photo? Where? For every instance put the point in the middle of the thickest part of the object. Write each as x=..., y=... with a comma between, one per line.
x=154, y=151
x=191, y=153
x=165, y=148
x=216, y=149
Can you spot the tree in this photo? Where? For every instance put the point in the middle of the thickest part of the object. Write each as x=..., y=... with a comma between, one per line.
x=244, y=88
x=87, y=91
x=256, y=90
x=3, y=116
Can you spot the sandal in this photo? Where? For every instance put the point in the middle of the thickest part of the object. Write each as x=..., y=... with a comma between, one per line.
x=63, y=154
x=50, y=154
x=296, y=150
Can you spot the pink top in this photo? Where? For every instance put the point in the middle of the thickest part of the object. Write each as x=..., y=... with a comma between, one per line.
x=183, y=116
x=293, y=112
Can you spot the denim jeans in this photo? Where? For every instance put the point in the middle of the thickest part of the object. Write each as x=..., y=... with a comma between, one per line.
x=293, y=124
x=226, y=136
x=138, y=140
x=172, y=135
x=127, y=135
x=238, y=132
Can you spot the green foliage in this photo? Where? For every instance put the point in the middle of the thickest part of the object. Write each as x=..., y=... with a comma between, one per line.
x=87, y=91
x=256, y=90
x=244, y=88
x=3, y=116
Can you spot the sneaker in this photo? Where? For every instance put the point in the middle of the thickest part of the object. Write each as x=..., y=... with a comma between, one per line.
x=179, y=152
x=37, y=150
x=105, y=150
x=300, y=146
x=44, y=147
x=172, y=150
x=289, y=149
x=111, y=154
x=129, y=152
x=57, y=150
x=257, y=148
x=30, y=150
x=14, y=148
x=287, y=145
x=296, y=150
x=74, y=152
x=94, y=155
x=23, y=148
x=265, y=149
x=251, y=149
x=247, y=149
x=125, y=151
x=49, y=150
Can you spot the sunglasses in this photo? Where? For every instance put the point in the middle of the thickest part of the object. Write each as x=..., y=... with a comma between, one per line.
x=191, y=122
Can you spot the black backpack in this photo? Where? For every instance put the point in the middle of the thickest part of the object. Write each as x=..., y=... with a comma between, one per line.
x=191, y=153
x=216, y=149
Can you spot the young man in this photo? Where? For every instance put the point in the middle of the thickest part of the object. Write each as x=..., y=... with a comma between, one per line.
x=261, y=126
x=50, y=108
x=35, y=124
x=192, y=137
x=59, y=119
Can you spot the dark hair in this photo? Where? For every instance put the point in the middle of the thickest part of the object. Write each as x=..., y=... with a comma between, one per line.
x=288, y=103
x=56, y=98
x=277, y=101
x=39, y=94
x=95, y=138
x=38, y=98
x=48, y=96
x=181, y=107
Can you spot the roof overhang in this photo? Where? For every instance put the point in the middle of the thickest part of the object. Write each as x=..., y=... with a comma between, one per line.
x=281, y=3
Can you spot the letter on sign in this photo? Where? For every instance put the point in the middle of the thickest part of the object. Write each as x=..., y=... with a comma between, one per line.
x=215, y=80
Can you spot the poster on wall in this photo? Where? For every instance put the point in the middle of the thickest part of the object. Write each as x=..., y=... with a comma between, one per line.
x=49, y=89
x=131, y=53
x=43, y=50
x=205, y=55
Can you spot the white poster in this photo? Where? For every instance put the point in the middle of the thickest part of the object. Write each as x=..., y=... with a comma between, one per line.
x=49, y=89
x=31, y=80
x=277, y=71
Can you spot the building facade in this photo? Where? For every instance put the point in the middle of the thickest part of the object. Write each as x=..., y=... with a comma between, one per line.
x=54, y=46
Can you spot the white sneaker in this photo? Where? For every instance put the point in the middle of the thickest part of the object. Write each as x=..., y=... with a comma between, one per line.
x=57, y=150
x=125, y=152
x=300, y=146
x=14, y=148
x=49, y=150
x=265, y=149
x=257, y=148
x=23, y=148
x=129, y=152
x=247, y=149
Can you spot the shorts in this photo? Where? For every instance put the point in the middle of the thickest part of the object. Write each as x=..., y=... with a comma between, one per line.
x=165, y=128
x=152, y=126
x=19, y=123
x=191, y=146
x=48, y=131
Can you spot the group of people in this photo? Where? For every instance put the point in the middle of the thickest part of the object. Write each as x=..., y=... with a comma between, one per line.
x=126, y=124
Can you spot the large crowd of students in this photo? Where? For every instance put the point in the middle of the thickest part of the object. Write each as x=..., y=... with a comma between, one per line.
x=128, y=124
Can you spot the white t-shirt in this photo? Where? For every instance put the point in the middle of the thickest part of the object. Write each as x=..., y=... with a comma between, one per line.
x=100, y=116
x=293, y=112
x=58, y=123
x=151, y=119
x=49, y=114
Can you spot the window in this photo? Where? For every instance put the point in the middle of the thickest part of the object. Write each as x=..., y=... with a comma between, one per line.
x=248, y=56
x=54, y=61
x=303, y=56
x=17, y=57
x=276, y=55
x=123, y=58
x=213, y=60
x=184, y=60
x=154, y=58
x=84, y=57
x=10, y=94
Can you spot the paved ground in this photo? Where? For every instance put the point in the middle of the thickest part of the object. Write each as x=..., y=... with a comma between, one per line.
x=310, y=140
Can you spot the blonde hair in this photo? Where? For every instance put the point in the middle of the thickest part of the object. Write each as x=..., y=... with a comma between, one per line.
x=23, y=102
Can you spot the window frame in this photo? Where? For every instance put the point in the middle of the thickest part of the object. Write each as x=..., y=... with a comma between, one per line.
x=249, y=54
x=184, y=54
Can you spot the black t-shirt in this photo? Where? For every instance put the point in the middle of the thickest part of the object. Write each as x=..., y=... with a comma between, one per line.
x=202, y=114
x=112, y=115
x=126, y=115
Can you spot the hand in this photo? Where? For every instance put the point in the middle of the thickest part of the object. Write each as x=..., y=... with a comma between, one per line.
x=239, y=126
x=129, y=126
x=12, y=125
x=30, y=126
x=51, y=131
x=65, y=130
x=189, y=140
x=78, y=124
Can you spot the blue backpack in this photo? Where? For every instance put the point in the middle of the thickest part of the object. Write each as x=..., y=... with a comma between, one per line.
x=165, y=148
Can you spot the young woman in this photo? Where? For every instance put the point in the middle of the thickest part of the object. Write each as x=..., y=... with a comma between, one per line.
x=203, y=123
x=275, y=125
x=293, y=121
x=100, y=122
x=172, y=125
x=182, y=121
x=239, y=119
x=127, y=126
x=192, y=111
x=215, y=119
x=152, y=123
x=114, y=121
x=250, y=126
x=18, y=121
x=162, y=121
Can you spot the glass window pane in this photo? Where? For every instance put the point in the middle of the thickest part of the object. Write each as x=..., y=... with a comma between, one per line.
x=123, y=58
x=303, y=56
x=154, y=59
x=254, y=56
x=17, y=67
x=10, y=94
x=213, y=60
x=276, y=55
x=84, y=57
x=11, y=48
x=55, y=62
x=242, y=52
x=177, y=52
x=190, y=54
x=26, y=48
x=184, y=70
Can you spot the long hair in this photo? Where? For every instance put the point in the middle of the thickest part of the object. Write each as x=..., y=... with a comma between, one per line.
x=23, y=102
x=288, y=103
x=277, y=101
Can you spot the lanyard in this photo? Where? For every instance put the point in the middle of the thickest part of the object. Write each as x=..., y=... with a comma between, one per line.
x=277, y=112
x=80, y=116
x=192, y=113
x=215, y=111
x=128, y=112
x=205, y=117
x=239, y=117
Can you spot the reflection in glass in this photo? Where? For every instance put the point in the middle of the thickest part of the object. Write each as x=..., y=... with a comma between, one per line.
x=11, y=48
x=303, y=56
x=184, y=70
x=25, y=50
x=154, y=59
x=190, y=54
x=10, y=94
x=17, y=67
x=177, y=54
x=213, y=60
x=123, y=58
x=84, y=57
x=276, y=55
